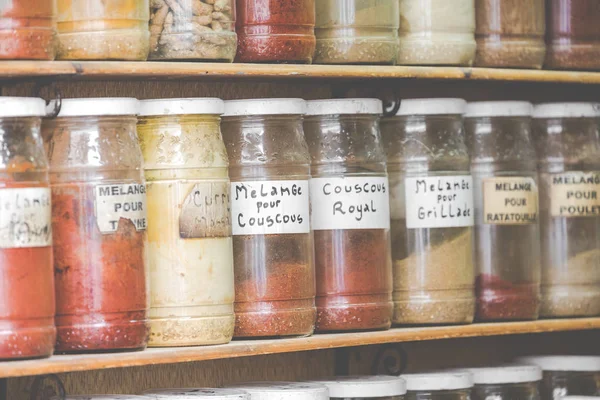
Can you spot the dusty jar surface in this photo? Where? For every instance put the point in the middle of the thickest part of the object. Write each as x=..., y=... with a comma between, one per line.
x=28, y=31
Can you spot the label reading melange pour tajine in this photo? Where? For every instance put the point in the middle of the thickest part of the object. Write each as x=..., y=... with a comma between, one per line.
x=25, y=218
x=270, y=207
x=510, y=201
x=575, y=194
x=439, y=202
x=120, y=201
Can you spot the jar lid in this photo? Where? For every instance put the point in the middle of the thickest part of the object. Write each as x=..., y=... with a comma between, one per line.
x=99, y=106
x=264, y=107
x=344, y=106
x=563, y=363
x=581, y=398
x=566, y=110
x=499, y=109
x=104, y=397
x=365, y=386
x=284, y=390
x=444, y=380
x=22, y=107
x=506, y=374
x=198, y=393
x=432, y=107
x=206, y=105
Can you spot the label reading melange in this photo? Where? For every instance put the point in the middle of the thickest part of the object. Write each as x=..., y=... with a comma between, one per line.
x=439, y=202
x=120, y=201
x=510, y=201
x=350, y=203
x=270, y=207
x=205, y=211
x=575, y=194
x=25, y=218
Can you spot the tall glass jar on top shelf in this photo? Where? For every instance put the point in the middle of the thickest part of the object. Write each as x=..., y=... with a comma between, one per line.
x=27, y=30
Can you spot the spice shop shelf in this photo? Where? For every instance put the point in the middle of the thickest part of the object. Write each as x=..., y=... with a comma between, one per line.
x=189, y=70
x=72, y=363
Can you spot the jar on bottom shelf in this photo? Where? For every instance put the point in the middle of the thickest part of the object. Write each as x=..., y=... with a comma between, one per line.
x=444, y=385
x=284, y=390
x=378, y=387
x=507, y=382
x=197, y=393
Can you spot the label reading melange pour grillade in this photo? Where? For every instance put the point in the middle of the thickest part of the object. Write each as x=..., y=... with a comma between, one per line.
x=270, y=207
x=120, y=201
x=575, y=194
x=25, y=218
x=510, y=200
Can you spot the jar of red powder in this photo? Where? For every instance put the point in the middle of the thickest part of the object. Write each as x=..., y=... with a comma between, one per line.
x=507, y=237
x=269, y=167
x=27, y=29
x=99, y=225
x=350, y=215
x=26, y=273
x=276, y=31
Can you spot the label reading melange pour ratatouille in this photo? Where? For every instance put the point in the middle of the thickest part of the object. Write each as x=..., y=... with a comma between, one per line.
x=120, y=201
x=205, y=211
x=25, y=218
x=575, y=194
x=510, y=200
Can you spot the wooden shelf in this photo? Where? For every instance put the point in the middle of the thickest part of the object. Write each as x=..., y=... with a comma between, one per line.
x=189, y=70
x=72, y=363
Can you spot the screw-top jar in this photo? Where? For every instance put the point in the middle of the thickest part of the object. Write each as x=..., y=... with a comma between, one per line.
x=568, y=147
x=445, y=385
x=284, y=390
x=507, y=237
x=431, y=202
x=99, y=225
x=350, y=214
x=28, y=30
x=380, y=387
x=190, y=256
x=199, y=393
x=26, y=271
x=510, y=382
x=270, y=209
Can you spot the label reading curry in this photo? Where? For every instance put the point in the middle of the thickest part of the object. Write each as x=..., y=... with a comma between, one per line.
x=120, y=201
x=25, y=218
x=205, y=211
x=575, y=194
x=510, y=201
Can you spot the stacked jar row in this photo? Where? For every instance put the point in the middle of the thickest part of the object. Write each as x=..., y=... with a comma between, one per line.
x=489, y=33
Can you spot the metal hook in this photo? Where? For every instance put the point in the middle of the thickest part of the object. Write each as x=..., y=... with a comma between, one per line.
x=57, y=97
x=47, y=392
x=392, y=358
x=390, y=108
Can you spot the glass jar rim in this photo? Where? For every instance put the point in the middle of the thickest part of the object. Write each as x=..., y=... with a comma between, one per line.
x=344, y=106
x=566, y=110
x=364, y=386
x=182, y=106
x=564, y=363
x=480, y=109
x=96, y=107
x=289, y=106
x=442, y=380
x=22, y=107
x=198, y=393
x=434, y=106
x=506, y=374
x=284, y=390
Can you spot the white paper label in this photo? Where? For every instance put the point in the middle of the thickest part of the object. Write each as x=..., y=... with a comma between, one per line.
x=350, y=203
x=575, y=194
x=124, y=200
x=270, y=207
x=439, y=201
x=25, y=218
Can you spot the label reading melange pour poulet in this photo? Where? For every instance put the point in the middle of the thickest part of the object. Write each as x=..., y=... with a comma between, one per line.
x=25, y=217
x=120, y=201
x=575, y=194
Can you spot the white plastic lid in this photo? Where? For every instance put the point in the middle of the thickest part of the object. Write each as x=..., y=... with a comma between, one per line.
x=285, y=390
x=264, y=107
x=104, y=397
x=207, y=105
x=499, y=109
x=566, y=110
x=432, y=107
x=22, y=107
x=344, y=106
x=580, y=398
x=446, y=380
x=198, y=393
x=563, y=363
x=506, y=374
x=365, y=386
x=97, y=107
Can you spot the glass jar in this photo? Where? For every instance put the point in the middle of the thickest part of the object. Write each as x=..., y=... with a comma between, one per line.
x=26, y=272
x=568, y=148
x=285, y=390
x=567, y=375
x=99, y=225
x=28, y=30
x=511, y=382
x=276, y=31
x=573, y=34
x=350, y=215
x=507, y=235
x=437, y=32
x=431, y=203
x=199, y=393
x=510, y=33
x=190, y=255
x=446, y=385
x=357, y=31
x=103, y=29
x=380, y=387
x=273, y=254
x=192, y=30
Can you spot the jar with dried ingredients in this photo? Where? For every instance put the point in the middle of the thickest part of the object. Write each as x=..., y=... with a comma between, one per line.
x=190, y=254
x=567, y=375
x=446, y=385
x=431, y=203
x=350, y=215
x=510, y=382
x=103, y=29
x=378, y=387
x=192, y=30
x=272, y=242
x=437, y=32
x=26, y=273
x=285, y=390
x=357, y=31
x=507, y=235
x=99, y=225
x=197, y=394
x=28, y=30
x=568, y=148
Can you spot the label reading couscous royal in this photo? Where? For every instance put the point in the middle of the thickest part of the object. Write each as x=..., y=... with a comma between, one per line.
x=575, y=194
x=510, y=201
x=205, y=211
x=120, y=201
x=25, y=218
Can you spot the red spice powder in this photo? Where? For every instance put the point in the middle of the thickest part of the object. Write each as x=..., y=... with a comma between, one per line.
x=101, y=298
x=501, y=300
x=27, y=30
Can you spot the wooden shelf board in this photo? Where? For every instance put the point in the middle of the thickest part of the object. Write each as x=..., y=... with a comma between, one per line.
x=189, y=70
x=73, y=363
